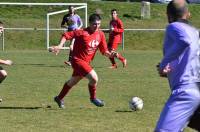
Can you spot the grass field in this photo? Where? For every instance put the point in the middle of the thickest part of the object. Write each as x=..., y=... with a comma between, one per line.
x=37, y=76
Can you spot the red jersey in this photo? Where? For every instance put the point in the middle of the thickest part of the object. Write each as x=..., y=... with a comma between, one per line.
x=116, y=35
x=86, y=43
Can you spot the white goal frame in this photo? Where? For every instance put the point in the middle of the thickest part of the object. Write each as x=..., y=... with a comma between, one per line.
x=81, y=6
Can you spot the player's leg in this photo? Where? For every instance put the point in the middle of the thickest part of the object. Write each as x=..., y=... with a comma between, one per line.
x=179, y=108
x=93, y=80
x=68, y=62
x=66, y=87
x=112, y=59
x=3, y=75
x=195, y=120
x=114, y=47
x=119, y=56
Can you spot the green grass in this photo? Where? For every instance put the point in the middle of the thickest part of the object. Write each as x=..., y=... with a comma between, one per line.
x=37, y=76
x=129, y=12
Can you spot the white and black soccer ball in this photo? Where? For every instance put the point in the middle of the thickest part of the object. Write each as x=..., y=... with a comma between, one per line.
x=136, y=104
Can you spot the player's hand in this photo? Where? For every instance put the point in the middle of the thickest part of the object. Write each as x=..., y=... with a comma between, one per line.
x=8, y=62
x=163, y=72
x=54, y=49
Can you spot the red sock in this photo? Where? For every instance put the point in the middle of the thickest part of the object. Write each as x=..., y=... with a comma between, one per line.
x=92, y=91
x=64, y=91
x=112, y=60
x=120, y=57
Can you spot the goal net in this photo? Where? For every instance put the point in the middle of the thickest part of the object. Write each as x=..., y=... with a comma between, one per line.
x=35, y=25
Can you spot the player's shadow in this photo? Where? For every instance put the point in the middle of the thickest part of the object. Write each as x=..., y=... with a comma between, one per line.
x=41, y=65
x=123, y=111
x=26, y=108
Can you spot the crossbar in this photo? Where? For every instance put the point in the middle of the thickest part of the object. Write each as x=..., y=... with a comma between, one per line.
x=44, y=4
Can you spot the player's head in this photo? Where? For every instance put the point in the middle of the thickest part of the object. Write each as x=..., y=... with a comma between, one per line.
x=71, y=9
x=114, y=13
x=94, y=22
x=1, y=27
x=176, y=10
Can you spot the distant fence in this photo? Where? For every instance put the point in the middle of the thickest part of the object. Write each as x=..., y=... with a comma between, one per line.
x=59, y=29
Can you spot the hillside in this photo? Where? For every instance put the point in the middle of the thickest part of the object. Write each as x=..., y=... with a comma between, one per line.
x=129, y=12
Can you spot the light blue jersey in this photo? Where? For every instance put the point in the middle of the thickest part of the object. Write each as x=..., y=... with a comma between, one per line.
x=73, y=21
x=182, y=52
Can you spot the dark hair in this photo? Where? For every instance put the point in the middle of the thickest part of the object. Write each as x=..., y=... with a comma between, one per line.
x=175, y=10
x=114, y=10
x=70, y=6
x=94, y=17
x=1, y=22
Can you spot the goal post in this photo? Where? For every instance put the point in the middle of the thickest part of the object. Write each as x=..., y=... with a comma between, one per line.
x=41, y=24
x=81, y=6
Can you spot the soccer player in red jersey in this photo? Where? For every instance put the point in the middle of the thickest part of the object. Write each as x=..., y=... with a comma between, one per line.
x=3, y=73
x=115, y=38
x=87, y=41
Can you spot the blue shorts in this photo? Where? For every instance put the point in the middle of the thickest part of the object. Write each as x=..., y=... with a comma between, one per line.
x=179, y=108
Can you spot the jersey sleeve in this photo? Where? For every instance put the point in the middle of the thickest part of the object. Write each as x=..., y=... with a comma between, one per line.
x=63, y=21
x=120, y=27
x=69, y=35
x=103, y=45
x=181, y=42
x=79, y=21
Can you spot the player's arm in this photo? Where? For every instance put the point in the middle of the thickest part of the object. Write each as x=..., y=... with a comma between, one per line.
x=181, y=43
x=56, y=49
x=103, y=48
x=63, y=23
x=6, y=62
x=120, y=28
x=66, y=36
x=62, y=42
x=80, y=23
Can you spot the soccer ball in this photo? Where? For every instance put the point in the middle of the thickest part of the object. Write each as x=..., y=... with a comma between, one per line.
x=136, y=104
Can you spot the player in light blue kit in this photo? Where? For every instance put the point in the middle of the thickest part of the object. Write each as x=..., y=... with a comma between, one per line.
x=181, y=65
x=71, y=22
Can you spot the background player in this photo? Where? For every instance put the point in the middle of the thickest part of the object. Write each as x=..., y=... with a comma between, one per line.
x=115, y=38
x=1, y=28
x=71, y=21
x=3, y=73
x=181, y=65
x=87, y=41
